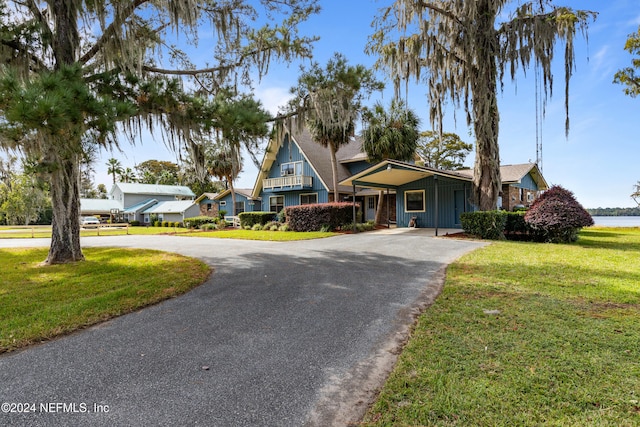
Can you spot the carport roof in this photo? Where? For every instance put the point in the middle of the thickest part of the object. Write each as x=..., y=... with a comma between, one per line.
x=393, y=173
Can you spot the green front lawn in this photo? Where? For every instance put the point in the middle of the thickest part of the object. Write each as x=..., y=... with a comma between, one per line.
x=38, y=303
x=526, y=334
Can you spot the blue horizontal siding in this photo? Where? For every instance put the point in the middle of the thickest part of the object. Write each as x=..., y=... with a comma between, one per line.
x=446, y=202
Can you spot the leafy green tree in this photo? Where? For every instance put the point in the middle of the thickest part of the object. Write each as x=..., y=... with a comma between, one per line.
x=329, y=101
x=102, y=191
x=447, y=152
x=389, y=134
x=628, y=76
x=24, y=200
x=461, y=51
x=151, y=172
x=73, y=68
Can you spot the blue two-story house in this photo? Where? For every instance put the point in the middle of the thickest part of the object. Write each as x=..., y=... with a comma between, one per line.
x=297, y=171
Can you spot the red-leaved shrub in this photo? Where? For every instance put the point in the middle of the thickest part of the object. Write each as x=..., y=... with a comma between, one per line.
x=556, y=216
x=318, y=216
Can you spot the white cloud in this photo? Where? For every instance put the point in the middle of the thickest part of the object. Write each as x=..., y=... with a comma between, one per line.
x=273, y=97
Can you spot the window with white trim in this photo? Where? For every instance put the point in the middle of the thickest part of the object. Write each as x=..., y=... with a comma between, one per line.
x=291, y=168
x=414, y=201
x=308, y=199
x=276, y=203
x=223, y=203
x=239, y=208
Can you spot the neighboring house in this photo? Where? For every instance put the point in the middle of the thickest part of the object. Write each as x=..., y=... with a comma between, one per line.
x=296, y=170
x=208, y=204
x=521, y=184
x=133, y=200
x=245, y=202
x=130, y=194
x=436, y=198
x=172, y=211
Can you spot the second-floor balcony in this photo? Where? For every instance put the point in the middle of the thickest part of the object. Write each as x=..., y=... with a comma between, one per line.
x=290, y=182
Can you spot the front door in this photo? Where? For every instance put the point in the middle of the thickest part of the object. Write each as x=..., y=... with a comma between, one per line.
x=370, y=202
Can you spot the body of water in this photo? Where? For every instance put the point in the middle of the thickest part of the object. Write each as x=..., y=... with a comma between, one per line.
x=617, y=221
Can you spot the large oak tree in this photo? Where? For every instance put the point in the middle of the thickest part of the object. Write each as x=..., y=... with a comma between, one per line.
x=462, y=50
x=77, y=70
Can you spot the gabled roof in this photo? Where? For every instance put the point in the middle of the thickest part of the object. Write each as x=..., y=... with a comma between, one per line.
x=98, y=206
x=210, y=196
x=246, y=192
x=394, y=173
x=318, y=157
x=140, y=206
x=173, y=206
x=513, y=174
x=153, y=189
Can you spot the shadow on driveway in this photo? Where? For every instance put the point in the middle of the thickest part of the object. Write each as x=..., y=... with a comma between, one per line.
x=281, y=334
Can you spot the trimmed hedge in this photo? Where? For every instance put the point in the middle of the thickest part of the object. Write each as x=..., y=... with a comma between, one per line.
x=249, y=219
x=197, y=221
x=317, y=216
x=484, y=224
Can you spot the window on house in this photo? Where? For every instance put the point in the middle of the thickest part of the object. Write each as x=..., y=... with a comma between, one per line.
x=223, y=203
x=414, y=201
x=308, y=199
x=276, y=203
x=529, y=196
x=239, y=208
x=291, y=168
x=521, y=190
x=208, y=207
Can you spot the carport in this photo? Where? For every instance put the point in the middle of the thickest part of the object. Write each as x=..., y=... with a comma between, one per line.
x=395, y=175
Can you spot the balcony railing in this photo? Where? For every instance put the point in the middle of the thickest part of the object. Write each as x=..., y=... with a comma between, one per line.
x=288, y=182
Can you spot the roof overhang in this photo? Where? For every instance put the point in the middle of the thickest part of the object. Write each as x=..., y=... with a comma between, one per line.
x=393, y=174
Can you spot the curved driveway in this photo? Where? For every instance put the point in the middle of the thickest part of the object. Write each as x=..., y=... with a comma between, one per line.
x=282, y=334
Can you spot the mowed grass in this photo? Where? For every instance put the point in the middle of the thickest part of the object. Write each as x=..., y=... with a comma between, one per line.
x=273, y=236
x=524, y=335
x=40, y=302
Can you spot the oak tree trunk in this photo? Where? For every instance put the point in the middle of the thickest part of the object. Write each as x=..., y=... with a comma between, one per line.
x=486, y=175
x=65, y=224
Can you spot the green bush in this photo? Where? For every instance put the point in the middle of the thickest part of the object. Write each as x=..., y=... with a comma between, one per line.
x=157, y=223
x=221, y=214
x=198, y=221
x=284, y=227
x=484, y=224
x=165, y=223
x=134, y=223
x=516, y=228
x=252, y=218
x=256, y=227
x=320, y=216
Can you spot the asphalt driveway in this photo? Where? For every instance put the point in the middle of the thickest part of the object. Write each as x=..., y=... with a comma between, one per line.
x=282, y=334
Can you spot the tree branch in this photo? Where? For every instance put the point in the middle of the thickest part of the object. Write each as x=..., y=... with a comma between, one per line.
x=117, y=21
x=442, y=12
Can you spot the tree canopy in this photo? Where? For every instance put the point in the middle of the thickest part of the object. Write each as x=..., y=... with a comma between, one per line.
x=77, y=71
x=462, y=50
x=628, y=76
x=446, y=151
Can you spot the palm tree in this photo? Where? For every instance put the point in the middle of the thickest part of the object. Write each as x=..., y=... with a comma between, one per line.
x=224, y=162
x=329, y=101
x=391, y=134
x=114, y=168
x=127, y=175
x=462, y=51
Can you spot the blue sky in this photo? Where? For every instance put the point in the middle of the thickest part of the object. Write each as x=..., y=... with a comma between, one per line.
x=598, y=161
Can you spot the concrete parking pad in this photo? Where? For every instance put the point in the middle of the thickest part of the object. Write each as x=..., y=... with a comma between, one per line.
x=282, y=334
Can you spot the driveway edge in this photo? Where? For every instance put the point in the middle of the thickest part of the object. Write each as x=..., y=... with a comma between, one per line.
x=345, y=400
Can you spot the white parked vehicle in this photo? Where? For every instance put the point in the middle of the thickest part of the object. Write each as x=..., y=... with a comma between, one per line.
x=90, y=220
